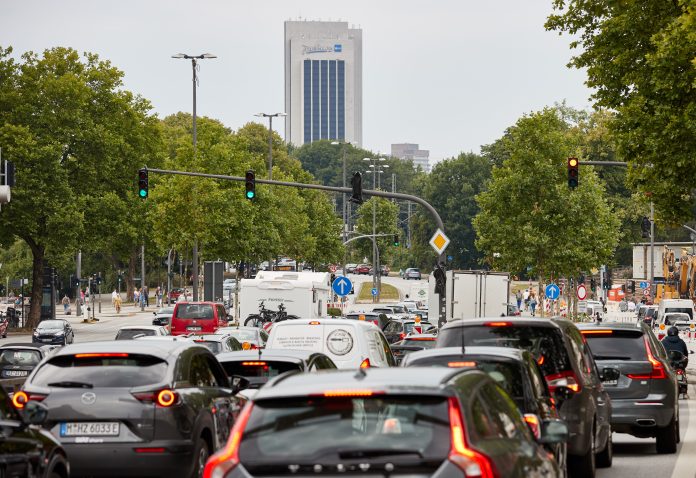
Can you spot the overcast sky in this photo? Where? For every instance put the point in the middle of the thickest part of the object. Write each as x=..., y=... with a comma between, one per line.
x=450, y=75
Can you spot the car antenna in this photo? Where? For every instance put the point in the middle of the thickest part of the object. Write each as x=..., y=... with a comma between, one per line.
x=463, y=345
x=258, y=341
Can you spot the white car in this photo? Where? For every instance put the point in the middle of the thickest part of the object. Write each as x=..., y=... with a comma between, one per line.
x=129, y=332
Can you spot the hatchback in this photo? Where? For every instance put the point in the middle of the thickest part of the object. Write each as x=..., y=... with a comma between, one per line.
x=18, y=360
x=129, y=332
x=566, y=361
x=412, y=273
x=163, y=316
x=218, y=343
x=197, y=318
x=637, y=375
x=249, y=337
x=412, y=343
x=134, y=406
x=397, y=330
x=400, y=422
x=53, y=332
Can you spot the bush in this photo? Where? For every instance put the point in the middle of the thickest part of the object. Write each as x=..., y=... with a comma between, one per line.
x=334, y=312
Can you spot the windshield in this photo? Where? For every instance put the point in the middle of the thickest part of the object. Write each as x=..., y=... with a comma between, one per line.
x=128, y=334
x=259, y=368
x=129, y=371
x=320, y=429
x=545, y=343
x=622, y=345
x=194, y=311
x=50, y=325
x=19, y=357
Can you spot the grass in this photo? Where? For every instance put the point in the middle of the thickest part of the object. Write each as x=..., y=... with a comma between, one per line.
x=389, y=293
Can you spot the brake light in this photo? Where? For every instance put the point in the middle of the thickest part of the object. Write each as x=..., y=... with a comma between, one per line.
x=658, y=370
x=365, y=363
x=563, y=379
x=541, y=360
x=534, y=425
x=402, y=336
x=349, y=393
x=423, y=339
x=471, y=462
x=497, y=324
x=224, y=461
x=253, y=364
x=101, y=355
x=596, y=332
x=680, y=371
x=461, y=364
x=21, y=398
x=164, y=398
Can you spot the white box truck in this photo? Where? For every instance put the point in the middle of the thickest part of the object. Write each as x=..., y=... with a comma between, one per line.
x=472, y=294
x=304, y=294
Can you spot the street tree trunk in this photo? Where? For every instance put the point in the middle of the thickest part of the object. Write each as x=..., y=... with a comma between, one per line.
x=38, y=254
x=130, y=277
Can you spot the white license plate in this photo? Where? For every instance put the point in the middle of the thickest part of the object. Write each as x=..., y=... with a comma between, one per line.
x=610, y=382
x=194, y=328
x=89, y=429
x=16, y=373
x=47, y=340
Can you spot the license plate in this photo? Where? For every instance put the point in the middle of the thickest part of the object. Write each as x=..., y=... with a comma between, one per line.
x=194, y=328
x=89, y=429
x=47, y=340
x=16, y=373
x=610, y=382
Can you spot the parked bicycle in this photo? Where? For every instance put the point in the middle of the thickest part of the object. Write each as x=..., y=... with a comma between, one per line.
x=266, y=316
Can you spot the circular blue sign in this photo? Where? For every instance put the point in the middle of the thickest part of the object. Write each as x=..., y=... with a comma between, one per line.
x=374, y=291
x=552, y=291
x=342, y=286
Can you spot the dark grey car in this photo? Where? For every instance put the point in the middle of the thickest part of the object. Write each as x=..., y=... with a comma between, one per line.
x=637, y=375
x=135, y=407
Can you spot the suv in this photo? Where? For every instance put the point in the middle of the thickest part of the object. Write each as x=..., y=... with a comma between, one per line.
x=412, y=273
x=566, y=361
x=411, y=421
x=197, y=318
x=637, y=375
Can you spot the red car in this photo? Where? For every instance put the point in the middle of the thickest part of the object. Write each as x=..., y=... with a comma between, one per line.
x=363, y=269
x=197, y=318
x=175, y=293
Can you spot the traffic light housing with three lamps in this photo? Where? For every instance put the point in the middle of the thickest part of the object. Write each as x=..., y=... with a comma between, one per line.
x=143, y=183
x=396, y=240
x=250, y=185
x=356, y=185
x=573, y=173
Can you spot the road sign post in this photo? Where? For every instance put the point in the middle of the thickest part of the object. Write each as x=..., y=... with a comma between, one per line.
x=581, y=292
x=552, y=291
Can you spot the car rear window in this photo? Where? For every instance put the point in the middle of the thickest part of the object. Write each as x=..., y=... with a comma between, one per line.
x=338, y=429
x=214, y=347
x=259, y=368
x=101, y=370
x=19, y=357
x=425, y=343
x=545, y=343
x=128, y=334
x=243, y=335
x=684, y=310
x=194, y=311
x=617, y=345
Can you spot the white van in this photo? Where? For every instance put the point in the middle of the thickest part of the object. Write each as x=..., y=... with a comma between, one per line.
x=675, y=305
x=349, y=343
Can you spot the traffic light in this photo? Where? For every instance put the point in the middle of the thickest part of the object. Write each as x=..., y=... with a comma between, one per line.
x=440, y=279
x=632, y=286
x=396, y=240
x=356, y=184
x=250, y=185
x=593, y=285
x=9, y=173
x=573, y=173
x=142, y=183
x=645, y=228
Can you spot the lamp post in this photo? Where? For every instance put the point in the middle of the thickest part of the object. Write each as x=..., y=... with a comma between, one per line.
x=344, y=201
x=375, y=266
x=194, y=64
x=270, y=117
x=693, y=237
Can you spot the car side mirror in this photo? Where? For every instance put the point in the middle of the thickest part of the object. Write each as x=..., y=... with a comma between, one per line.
x=35, y=413
x=239, y=383
x=609, y=374
x=690, y=352
x=554, y=431
x=562, y=393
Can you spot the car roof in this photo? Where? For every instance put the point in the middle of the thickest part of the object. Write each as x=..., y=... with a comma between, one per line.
x=19, y=345
x=294, y=356
x=524, y=322
x=210, y=337
x=506, y=352
x=160, y=348
x=230, y=328
x=614, y=326
x=430, y=381
x=323, y=321
x=188, y=302
x=141, y=327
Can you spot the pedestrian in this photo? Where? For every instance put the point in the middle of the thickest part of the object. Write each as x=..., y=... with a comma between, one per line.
x=117, y=304
x=82, y=297
x=136, y=298
x=526, y=299
x=518, y=296
x=532, y=302
x=158, y=296
x=66, y=304
x=146, y=293
x=113, y=297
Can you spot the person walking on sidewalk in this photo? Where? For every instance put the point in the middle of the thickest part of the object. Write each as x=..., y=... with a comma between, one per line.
x=117, y=303
x=136, y=298
x=146, y=293
x=113, y=297
x=66, y=304
x=532, y=302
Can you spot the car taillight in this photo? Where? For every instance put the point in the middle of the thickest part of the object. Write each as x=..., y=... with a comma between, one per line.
x=163, y=398
x=402, y=336
x=365, y=363
x=658, y=370
x=533, y=423
x=224, y=461
x=471, y=462
x=563, y=379
x=21, y=398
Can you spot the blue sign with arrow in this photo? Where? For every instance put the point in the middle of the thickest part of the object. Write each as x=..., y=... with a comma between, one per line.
x=374, y=291
x=644, y=285
x=342, y=286
x=552, y=291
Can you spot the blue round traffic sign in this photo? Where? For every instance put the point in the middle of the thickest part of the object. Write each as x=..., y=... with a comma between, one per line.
x=342, y=286
x=552, y=291
x=374, y=291
x=644, y=285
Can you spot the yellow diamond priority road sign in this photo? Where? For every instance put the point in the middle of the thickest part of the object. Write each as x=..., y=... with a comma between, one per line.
x=439, y=241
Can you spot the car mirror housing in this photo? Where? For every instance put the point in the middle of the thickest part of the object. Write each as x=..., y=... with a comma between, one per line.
x=34, y=413
x=239, y=383
x=554, y=431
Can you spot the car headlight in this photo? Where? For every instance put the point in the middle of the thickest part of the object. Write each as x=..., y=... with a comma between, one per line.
x=62, y=332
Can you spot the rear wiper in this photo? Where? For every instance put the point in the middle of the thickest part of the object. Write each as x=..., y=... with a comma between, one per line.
x=68, y=384
x=612, y=357
x=376, y=452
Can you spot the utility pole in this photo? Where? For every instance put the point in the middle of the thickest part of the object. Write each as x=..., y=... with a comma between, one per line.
x=142, y=277
x=653, y=287
x=78, y=296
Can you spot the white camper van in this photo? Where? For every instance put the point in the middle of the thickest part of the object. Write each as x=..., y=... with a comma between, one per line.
x=667, y=306
x=304, y=294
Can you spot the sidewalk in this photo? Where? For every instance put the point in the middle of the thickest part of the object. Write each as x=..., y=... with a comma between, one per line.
x=108, y=311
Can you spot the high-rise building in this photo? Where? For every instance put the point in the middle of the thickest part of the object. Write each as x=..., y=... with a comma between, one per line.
x=323, y=82
x=420, y=157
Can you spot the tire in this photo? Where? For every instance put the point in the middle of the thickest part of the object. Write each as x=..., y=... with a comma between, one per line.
x=201, y=454
x=253, y=321
x=666, y=438
x=583, y=466
x=605, y=457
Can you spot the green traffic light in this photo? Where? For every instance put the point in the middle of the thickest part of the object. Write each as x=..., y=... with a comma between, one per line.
x=250, y=194
x=143, y=193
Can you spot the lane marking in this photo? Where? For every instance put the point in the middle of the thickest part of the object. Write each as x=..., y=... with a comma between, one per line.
x=685, y=465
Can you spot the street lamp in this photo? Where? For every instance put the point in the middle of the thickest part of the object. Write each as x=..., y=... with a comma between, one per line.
x=375, y=266
x=194, y=65
x=270, y=117
x=343, y=201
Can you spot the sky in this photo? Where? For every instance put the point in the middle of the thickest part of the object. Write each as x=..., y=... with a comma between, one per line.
x=450, y=75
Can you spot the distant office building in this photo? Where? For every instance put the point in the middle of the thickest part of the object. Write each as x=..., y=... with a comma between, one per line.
x=420, y=157
x=323, y=82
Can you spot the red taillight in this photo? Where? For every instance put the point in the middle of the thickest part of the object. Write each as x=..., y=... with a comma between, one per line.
x=471, y=462
x=497, y=324
x=226, y=459
x=658, y=370
x=461, y=364
x=563, y=379
x=349, y=393
x=149, y=450
x=21, y=398
x=680, y=371
x=402, y=336
x=101, y=355
x=163, y=398
x=365, y=363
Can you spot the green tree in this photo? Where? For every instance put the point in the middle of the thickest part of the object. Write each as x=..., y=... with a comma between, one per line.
x=386, y=216
x=640, y=61
x=530, y=220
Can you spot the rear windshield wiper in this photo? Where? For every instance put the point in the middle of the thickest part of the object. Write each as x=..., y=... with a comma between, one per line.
x=376, y=452
x=612, y=357
x=69, y=384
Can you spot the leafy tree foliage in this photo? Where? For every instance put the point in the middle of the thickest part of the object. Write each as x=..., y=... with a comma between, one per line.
x=386, y=215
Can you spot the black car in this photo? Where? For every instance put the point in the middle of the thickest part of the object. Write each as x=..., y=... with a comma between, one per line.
x=25, y=448
x=258, y=368
x=434, y=422
x=637, y=375
x=53, y=332
x=134, y=407
x=398, y=329
x=163, y=316
x=18, y=360
x=516, y=371
x=566, y=361
x=379, y=319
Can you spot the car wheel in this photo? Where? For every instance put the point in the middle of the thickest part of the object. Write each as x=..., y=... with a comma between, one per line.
x=583, y=466
x=666, y=439
x=606, y=456
x=200, y=455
